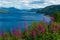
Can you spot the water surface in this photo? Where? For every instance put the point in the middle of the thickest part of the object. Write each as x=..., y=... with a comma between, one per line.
x=9, y=21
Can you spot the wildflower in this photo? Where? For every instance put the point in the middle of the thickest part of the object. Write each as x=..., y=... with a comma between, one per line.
x=52, y=19
x=56, y=28
x=19, y=32
x=51, y=23
x=15, y=32
x=18, y=27
x=34, y=33
x=1, y=33
x=25, y=23
x=43, y=31
x=27, y=32
x=26, y=29
x=43, y=19
x=39, y=26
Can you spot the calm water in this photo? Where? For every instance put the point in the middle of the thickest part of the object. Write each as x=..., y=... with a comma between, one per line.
x=8, y=21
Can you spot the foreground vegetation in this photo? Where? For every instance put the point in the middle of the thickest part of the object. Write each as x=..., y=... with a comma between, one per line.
x=35, y=31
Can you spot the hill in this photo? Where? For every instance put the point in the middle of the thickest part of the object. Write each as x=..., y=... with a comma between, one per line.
x=49, y=10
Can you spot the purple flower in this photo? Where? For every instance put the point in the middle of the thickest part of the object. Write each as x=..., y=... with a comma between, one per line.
x=18, y=27
x=25, y=23
x=56, y=28
x=52, y=19
x=26, y=28
x=15, y=32
x=43, y=31
x=19, y=31
x=39, y=26
x=43, y=19
x=19, y=34
x=1, y=34
x=34, y=33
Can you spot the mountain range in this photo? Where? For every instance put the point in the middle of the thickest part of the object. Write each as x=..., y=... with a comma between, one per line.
x=49, y=10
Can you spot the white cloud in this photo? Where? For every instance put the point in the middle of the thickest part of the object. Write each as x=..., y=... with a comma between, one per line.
x=5, y=4
x=53, y=1
x=26, y=3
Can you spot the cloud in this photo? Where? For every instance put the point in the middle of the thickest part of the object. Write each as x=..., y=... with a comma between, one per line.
x=37, y=2
x=5, y=4
x=27, y=4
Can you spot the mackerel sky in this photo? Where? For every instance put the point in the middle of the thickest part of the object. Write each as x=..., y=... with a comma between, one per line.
x=28, y=4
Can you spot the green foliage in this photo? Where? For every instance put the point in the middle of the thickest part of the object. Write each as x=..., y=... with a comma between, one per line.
x=57, y=15
x=33, y=26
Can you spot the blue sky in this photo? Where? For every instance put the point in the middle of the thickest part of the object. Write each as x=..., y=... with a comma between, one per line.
x=28, y=4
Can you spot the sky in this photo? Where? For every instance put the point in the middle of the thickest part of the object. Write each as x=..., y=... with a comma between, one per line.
x=28, y=4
